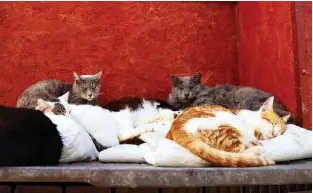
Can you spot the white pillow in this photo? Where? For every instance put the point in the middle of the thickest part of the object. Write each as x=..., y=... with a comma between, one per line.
x=167, y=153
x=122, y=153
x=295, y=143
x=77, y=144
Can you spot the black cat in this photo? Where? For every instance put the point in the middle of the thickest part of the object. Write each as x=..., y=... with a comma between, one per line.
x=28, y=138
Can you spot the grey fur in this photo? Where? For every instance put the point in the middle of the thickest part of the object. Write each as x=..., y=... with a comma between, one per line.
x=188, y=91
x=85, y=89
x=44, y=89
x=49, y=90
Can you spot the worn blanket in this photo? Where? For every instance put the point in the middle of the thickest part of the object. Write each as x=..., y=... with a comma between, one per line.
x=295, y=143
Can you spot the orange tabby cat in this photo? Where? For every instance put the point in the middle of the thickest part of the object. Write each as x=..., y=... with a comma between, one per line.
x=224, y=137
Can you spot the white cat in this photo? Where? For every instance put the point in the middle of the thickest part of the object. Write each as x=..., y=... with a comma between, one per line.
x=110, y=128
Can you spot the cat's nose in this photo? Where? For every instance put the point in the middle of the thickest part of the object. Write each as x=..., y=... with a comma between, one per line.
x=186, y=95
x=90, y=95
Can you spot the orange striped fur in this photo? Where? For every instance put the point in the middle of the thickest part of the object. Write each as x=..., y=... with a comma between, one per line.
x=224, y=145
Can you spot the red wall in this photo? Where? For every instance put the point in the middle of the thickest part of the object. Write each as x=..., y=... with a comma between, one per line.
x=136, y=44
x=268, y=53
x=307, y=94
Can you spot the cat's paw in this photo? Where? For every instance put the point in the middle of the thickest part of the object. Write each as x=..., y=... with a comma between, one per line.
x=164, y=115
x=153, y=120
x=256, y=150
x=254, y=143
x=148, y=130
x=144, y=129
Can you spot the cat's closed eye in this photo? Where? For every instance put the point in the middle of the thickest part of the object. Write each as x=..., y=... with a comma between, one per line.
x=84, y=88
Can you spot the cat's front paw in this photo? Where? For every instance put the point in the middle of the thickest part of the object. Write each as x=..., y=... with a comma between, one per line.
x=164, y=115
x=254, y=143
x=145, y=129
x=153, y=120
x=257, y=150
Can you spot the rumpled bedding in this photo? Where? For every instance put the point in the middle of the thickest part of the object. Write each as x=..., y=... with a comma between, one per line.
x=295, y=143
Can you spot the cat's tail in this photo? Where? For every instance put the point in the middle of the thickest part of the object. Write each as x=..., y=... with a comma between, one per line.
x=219, y=157
x=226, y=159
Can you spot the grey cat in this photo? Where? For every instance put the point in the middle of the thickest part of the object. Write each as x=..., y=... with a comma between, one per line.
x=188, y=91
x=84, y=90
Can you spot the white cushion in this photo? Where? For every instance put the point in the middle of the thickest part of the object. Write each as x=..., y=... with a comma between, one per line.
x=77, y=144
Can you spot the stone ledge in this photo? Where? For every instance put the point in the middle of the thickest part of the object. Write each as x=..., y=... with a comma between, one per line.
x=142, y=175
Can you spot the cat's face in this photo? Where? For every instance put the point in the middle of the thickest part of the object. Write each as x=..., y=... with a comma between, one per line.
x=268, y=123
x=52, y=107
x=186, y=89
x=57, y=108
x=87, y=86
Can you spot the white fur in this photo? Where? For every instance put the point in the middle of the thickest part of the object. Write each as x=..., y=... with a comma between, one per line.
x=109, y=128
x=99, y=123
x=252, y=120
x=64, y=98
x=221, y=117
x=295, y=143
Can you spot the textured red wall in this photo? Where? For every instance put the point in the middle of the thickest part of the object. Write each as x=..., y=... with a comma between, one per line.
x=266, y=50
x=308, y=63
x=136, y=44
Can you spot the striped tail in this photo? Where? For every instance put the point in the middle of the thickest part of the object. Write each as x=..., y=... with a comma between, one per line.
x=222, y=158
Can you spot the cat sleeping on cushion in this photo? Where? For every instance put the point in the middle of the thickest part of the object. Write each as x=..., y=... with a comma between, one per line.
x=84, y=90
x=226, y=137
x=77, y=143
x=110, y=128
x=220, y=136
x=188, y=91
x=214, y=134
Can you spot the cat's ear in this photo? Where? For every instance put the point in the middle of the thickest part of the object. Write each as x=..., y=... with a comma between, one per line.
x=175, y=80
x=197, y=78
x=41, y=105
x=64, y=98
x=286, y=117
x=267, y=105
x=98, y=75
x=76, y=76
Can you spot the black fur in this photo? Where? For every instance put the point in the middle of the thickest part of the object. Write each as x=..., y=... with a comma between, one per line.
x=133, y=103
x=28, y=138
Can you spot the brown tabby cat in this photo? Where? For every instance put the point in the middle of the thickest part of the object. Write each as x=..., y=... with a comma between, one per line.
x=84, y=90
x=226, y=137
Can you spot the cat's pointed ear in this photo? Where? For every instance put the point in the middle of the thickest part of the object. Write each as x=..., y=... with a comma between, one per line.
x=197, y=78
x=286, y=117
x=76, y=76
x=98, y=75
x=267, y=105
x=64, y=98
x=175, y=80
x=41, y=105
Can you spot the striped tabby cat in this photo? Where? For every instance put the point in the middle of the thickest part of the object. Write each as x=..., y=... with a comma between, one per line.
x=84, y=90
x=226, y=137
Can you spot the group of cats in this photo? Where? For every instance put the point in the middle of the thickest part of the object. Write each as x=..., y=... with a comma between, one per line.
x=221, y=125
